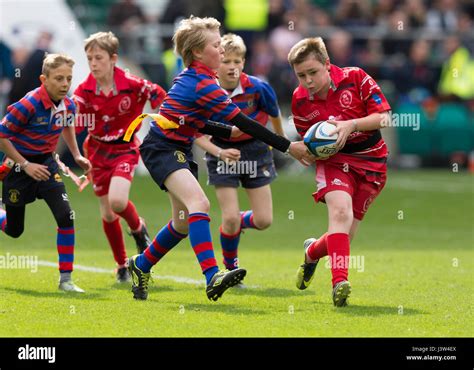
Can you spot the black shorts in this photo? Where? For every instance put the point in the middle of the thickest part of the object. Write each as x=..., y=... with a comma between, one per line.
x=254, y=169
x=20, y=189
x=162, y=157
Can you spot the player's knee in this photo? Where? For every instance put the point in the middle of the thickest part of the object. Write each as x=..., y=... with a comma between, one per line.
x=118, y=204
x=262, y=222
x=109, y=217
x=341, y=214
x=201, y=204
x=231, y=223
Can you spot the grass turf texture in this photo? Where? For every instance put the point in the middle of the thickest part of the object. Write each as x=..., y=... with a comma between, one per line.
x=416, y=241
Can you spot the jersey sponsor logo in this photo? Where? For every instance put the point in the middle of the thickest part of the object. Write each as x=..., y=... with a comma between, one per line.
x=345, y=99
x=338, y=182
x=124, y=104
x=14, y=195
x=180, y=157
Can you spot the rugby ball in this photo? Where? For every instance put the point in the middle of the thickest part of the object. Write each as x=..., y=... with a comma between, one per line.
x=319, y=139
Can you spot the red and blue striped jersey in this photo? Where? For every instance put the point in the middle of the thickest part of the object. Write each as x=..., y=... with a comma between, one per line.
x=34, y=123
x=194, y=97
x=256, y=99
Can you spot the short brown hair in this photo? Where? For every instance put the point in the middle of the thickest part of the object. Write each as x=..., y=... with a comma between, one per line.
x=191, y=35
x=304, y=48
x=104, y=40
x=233, y=43
x=53, y=61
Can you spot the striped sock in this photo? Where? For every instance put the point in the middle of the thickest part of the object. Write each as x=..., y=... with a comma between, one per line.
x=229, y=244
x=200, y=237
x=3, y=220
x=246, y=220
x=164, y=241
x=65, y=243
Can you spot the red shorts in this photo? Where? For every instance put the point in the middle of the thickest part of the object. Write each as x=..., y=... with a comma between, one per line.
x=111, y=160
x=362, y=185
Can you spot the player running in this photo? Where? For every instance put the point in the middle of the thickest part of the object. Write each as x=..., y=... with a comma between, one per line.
x=114, y=98
x=167, y=153
x=29, y=134
x=349, y=181
x=256, y=169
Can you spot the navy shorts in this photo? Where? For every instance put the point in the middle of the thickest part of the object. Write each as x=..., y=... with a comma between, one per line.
x=20, y=189
x=162, y=157
x=254, y=169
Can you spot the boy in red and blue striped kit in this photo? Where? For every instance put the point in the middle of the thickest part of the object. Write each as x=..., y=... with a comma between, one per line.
x=253, y=159
x=29, y=134
x=167, y=153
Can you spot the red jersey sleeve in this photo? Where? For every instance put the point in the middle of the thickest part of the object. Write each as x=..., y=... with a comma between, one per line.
x=371, y=94
x=151, y=91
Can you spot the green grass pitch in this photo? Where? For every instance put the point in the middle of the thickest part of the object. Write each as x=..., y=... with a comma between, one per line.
x=416, y=279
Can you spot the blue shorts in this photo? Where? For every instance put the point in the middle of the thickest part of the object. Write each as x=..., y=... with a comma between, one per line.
x=20, y=189
x=162, y=157
x=254, y=169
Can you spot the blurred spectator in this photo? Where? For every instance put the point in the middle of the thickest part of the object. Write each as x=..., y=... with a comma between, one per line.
x=443, y=16
x=276, y=13
x=340, y=49
x=125, y=15
x=260, y=63
x=30, y=67
x=416, y=11
x=124, y=19
x=353, y=13
x=397, y=39
x=416, y=79
x=457, y=75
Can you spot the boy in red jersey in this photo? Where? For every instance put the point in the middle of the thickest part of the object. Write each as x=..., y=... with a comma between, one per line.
x=114, y=98
x=349, y=181
x=29, y=134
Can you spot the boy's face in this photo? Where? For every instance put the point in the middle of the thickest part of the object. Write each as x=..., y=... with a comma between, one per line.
x=313, y=75
x=230, y=70
x=213, y=52
x=58, y=82
x=101, y=64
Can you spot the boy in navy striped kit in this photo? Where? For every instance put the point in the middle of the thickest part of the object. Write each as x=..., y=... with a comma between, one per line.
x=29, y=134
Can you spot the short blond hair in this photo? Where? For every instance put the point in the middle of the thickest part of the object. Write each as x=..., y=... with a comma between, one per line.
x=233, y=43
x=104, y=40
x=191, y=35
x=306, y=47
x=53, y=61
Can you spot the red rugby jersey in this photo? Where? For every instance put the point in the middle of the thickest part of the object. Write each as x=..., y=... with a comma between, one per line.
x=352, y=94
x=113, y=114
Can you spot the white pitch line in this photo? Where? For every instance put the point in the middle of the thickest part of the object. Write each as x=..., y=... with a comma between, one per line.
x=99, y=270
